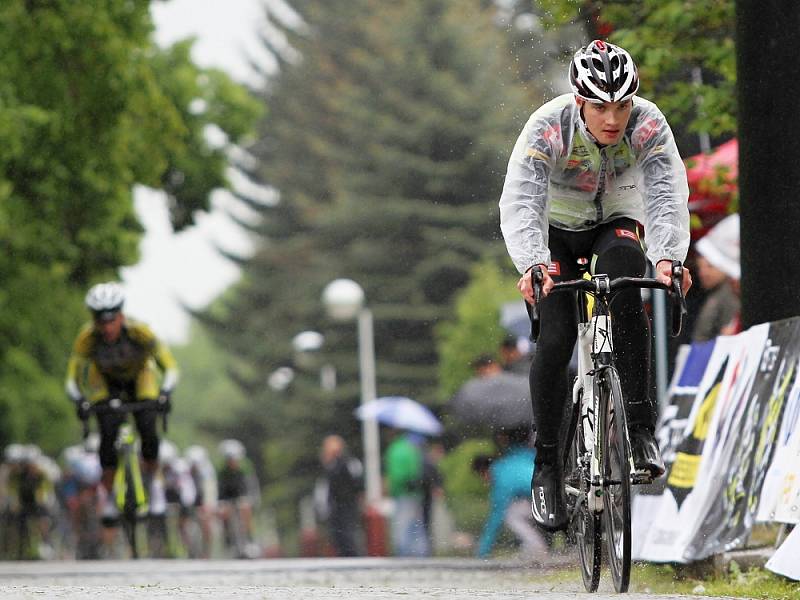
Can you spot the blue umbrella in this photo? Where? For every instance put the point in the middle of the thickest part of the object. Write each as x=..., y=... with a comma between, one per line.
x=401, y=413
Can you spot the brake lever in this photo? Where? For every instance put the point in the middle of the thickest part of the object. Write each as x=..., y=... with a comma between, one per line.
x=537, y=278
x=679, y=309
x=677, y=284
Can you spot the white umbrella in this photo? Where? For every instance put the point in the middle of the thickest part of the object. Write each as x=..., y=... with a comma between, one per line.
x=401, y=413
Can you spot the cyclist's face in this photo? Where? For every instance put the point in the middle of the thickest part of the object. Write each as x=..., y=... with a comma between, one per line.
x=606, y=121
x=111, y=329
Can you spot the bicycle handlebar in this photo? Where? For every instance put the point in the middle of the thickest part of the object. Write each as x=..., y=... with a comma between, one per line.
x=618, y=284
x=117, y=406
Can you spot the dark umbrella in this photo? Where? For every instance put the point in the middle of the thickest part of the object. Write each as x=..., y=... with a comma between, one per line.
x=496, y=401
x=514, y=318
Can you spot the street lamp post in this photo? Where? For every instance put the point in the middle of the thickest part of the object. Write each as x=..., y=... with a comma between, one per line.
x=307, y=346
x=344, y=301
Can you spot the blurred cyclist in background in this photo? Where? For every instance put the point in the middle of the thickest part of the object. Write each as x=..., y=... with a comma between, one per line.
x=204, y=476
x=176, y=492
x=238, y=492
x=116, y=357
x=30, y=501
x=78, y=497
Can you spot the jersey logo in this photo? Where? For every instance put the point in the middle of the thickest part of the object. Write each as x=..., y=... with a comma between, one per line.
x=645, y=131
x=625, y=233
x=554, y=268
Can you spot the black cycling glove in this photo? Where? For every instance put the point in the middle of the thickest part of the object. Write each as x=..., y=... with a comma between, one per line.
x=82, y=409
x=165, y=401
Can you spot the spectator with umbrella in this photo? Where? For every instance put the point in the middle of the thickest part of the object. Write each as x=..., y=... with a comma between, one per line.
x=493, y=399
x=410, y=422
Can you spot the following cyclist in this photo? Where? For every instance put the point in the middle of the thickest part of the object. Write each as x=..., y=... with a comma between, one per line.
x=117, y=357
x=237, y=489
x=587, y=169
x=204, y=475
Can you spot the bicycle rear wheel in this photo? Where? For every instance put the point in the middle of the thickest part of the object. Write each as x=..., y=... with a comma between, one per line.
x=616, y=471
x=584, y=525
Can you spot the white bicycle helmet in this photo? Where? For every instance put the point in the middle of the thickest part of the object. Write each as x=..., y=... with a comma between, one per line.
x=602, y=72
x=196, y=455
x=105, y=299
x=232, y=449
x=14, y=454
x=167, y=452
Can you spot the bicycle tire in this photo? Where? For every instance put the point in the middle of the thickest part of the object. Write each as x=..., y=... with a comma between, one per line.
x=130, y=515
x=616, y=471
x=585, y=525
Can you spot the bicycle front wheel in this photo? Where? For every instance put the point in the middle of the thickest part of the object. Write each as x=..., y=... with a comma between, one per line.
x=616, y=471
x=584, y=525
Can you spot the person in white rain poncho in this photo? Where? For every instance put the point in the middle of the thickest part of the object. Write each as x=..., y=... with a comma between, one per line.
x=588, y=168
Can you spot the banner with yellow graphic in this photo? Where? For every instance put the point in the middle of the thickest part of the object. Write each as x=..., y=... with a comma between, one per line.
x=674, y=517
x=737, y=459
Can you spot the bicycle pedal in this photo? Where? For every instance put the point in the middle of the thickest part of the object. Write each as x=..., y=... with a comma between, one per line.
x=642, y=478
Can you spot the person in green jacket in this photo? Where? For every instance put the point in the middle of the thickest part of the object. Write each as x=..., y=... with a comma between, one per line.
x=403, y=462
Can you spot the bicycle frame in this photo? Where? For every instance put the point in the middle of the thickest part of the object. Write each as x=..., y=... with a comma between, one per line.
x=595, y=348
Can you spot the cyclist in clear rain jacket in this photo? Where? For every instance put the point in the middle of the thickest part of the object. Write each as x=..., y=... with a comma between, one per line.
x=587, y=170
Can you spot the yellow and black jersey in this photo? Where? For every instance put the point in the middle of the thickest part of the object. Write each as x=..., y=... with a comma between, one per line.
x=133, y=358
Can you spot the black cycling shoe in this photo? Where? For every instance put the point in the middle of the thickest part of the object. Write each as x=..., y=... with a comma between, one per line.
x=646, y=455
x=549, y=503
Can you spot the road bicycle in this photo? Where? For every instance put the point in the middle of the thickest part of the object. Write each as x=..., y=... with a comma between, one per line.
x=129, y=489
x=598, y=465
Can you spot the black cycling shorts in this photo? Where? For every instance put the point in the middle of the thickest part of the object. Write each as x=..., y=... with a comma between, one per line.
x=613, y=249
x=109, y=424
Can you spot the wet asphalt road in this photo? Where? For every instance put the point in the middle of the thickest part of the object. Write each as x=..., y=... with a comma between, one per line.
x=295, y=579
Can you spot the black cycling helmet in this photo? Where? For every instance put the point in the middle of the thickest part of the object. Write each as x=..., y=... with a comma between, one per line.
x=602, y=72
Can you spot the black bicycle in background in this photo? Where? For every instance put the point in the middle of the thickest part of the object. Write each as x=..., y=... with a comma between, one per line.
x=598, y=465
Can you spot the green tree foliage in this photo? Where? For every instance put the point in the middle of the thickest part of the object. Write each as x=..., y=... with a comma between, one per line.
x=89, y=106
x=476, y=328
x=466, y=492
x=668, y=38
x=388, y=142
x=206, y=395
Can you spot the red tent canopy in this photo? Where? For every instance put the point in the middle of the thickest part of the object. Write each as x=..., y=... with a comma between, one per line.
x=724, y=160
x=712, y=184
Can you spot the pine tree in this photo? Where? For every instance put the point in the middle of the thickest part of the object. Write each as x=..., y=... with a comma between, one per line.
x=387, y=140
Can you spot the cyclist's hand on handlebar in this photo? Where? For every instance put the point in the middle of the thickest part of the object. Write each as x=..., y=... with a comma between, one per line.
x=664, y=275
x=165, y=401
x=82, y=409
x=525, y=284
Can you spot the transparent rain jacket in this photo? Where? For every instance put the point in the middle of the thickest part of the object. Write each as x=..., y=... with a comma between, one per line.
x=559, y=176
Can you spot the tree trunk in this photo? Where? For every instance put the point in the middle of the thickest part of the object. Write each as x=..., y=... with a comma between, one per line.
x=768, y=82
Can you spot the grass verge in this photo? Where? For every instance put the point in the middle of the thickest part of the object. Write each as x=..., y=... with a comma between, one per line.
x=665, y=579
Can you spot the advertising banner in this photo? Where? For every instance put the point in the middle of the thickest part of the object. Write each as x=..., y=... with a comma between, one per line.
x=745, y=431
x=780, y=494
x=696, y=451
x=690, y=365
x=784, y=561
x=730, y=438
